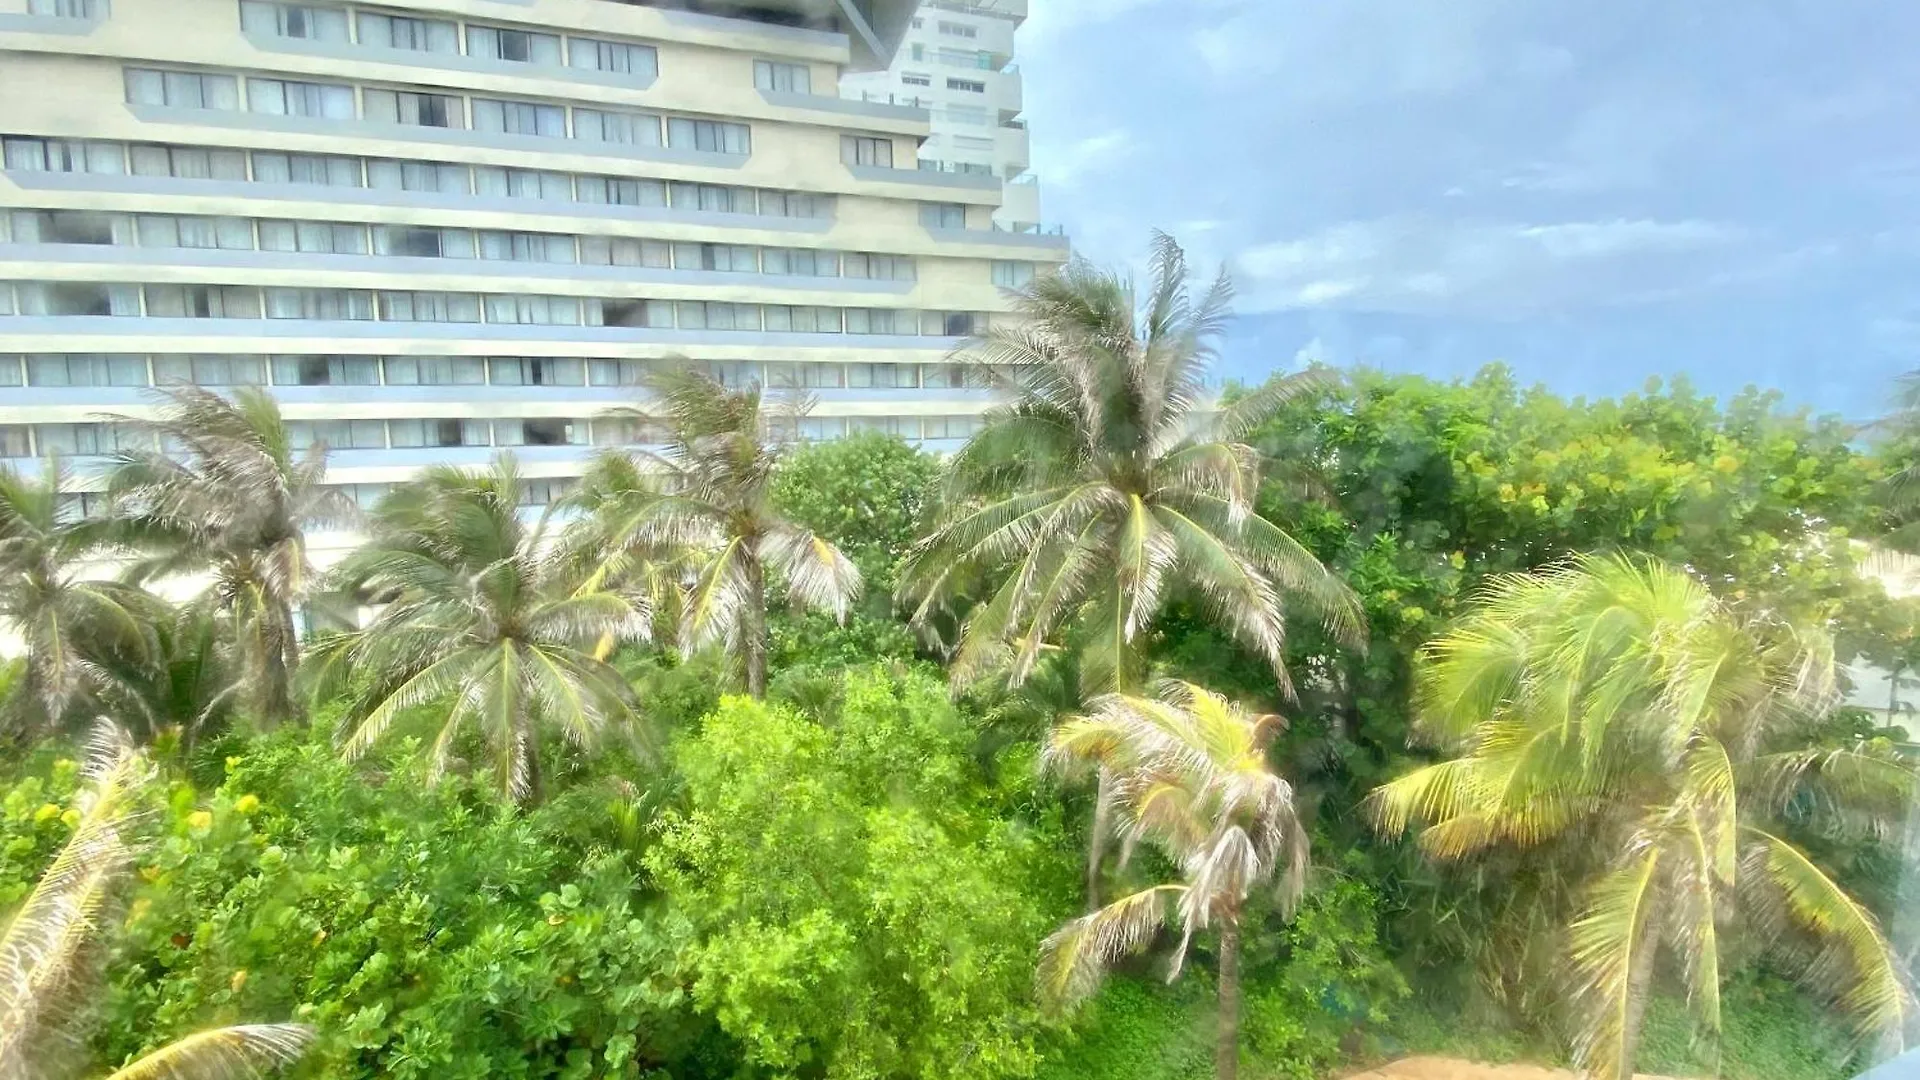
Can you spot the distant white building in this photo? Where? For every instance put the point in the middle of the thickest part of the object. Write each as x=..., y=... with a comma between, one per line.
x=1893, y=695
x=956, y=61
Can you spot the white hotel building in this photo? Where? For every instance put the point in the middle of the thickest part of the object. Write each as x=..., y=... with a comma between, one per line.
x=441, y=228
x=957, y=61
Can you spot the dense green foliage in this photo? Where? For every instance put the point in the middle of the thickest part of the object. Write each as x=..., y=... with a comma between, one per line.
x=852, y=878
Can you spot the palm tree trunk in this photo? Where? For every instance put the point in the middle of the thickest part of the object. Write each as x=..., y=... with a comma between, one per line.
x=1097, y=840
x=1226, y=1051
x=753, y=639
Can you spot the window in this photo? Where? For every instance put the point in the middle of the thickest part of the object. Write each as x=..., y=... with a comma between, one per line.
x=232, y=234
x=78, y=298
x=800, y=262
x=326, y=371
x=630, y=313
x=709, y=136
x=950, y=427
x=434, y=370
x=785, y=78
x=864, y=150
x=536, y=371
x=338, y=434
x=82, y=369
x=795, y=204
x=822, y=427
x=68, y=9
x=67, y=440
x=910, y=79
x=325, y=170
x=63, y=155
x=416, y=35
x=972, y=86
x=313, y=236
x=293, y=21
x=70, y=227
x=522, y=184
x=803, y=320
x=619, y=372
x=540, y=432
x=715, y=198
x=943, y=215
x=182, y=89
x=415, y=109
x=328, y=304
x=961, y=30
x=617, y=192
x=613, y=57
x=534, y=310
x=526, y=247
x=437, y=432
x=634, y=431
x=280, y=97
x=210, y=370
x=417, y=176
x=517, y=46
x=622, y=251
x=519, y=118
x=14, y=442
x=948, y=324
x=972, y=115
x=884, y=376
x=880, y=267
x=807, y=376
x=878, y=321
x=544, y=492
x=626, y=129
x=734, y=257
x=1012, y=275
x=189, y=164
x=422, y=242
x=12, y=371
x=429, y=307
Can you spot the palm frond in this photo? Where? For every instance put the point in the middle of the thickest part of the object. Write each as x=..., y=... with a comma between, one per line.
x=1611, y=946
x=1074, y=959
x=1854, y=964
x=230, y=1053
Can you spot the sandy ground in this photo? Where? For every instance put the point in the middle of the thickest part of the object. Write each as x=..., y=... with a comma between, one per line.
x=1424, y=1067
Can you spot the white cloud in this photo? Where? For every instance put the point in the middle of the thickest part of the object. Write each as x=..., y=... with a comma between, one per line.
x=1486, y=269
x=1087, y=157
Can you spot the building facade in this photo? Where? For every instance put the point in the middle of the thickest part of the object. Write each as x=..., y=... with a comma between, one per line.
x=437, y=229
x=957, y=61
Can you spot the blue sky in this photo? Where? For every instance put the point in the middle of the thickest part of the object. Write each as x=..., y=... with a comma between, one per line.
x=1592, y=193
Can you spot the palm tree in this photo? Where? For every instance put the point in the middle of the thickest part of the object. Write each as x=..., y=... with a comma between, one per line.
x=1190, y=777
x=228, y=495
x=1618, y=706
x=479, y=623
x=1107, y=482
x=45, y=953
x=73, y=626
x=709, y=496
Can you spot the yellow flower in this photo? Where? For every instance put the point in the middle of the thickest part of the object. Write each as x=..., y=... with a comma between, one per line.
x=247, y=804
x=239, y=980
x=200, y=820
x=46, y=813
x=1726, y=463
x=70, y=818
x=1506, y=492
x=232, y=763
